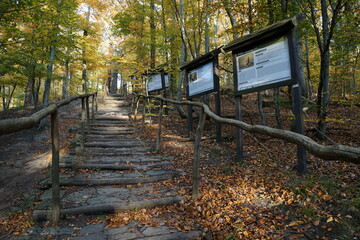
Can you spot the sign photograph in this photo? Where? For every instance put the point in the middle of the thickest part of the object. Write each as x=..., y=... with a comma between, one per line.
x=154, y=83
x=201, y=79
x=263, y=66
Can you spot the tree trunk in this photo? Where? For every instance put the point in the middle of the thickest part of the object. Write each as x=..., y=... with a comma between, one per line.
x=325, y=97
x=10, y=96
x=3, y=93
x=114, y=80
x=260, y=108
x=323, y=91
x=308, y=71
x=277, y=108
x=29, y=90
x=152, y=35
x=36, y=93
x=182, y=62
x=65, y=92
x=231, y=17
x=207, y=27
x=250, y=17
x=49, y=77
x=84, y=62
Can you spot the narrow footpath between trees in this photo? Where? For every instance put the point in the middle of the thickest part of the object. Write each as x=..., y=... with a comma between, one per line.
x=116, y=172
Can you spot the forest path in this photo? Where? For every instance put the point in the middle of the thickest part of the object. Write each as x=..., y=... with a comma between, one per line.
x=116, y=172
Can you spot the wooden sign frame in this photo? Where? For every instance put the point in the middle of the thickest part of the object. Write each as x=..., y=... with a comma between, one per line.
x=161, y=75
x=261, y=40
x=209, y=58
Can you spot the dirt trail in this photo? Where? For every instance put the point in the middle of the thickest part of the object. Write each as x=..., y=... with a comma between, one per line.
x=26, y=154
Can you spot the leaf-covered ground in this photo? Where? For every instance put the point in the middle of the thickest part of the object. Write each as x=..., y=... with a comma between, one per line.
x=263, y=198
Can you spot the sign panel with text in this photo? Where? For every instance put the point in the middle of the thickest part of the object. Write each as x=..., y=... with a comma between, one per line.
x=155, y=83
x=201, y=79
x=264, y=67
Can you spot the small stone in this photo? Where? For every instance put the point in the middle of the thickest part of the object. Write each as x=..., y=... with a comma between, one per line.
x=116, y=231
x=92, y=229
x=150, y=231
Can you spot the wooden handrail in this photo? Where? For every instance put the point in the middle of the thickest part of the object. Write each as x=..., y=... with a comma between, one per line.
x=14, y=125
x=334, y=152
x=327, y=152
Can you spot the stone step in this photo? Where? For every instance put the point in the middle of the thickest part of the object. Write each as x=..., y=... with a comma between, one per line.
x=112, y=124
x=116, y=133
x=109, y=207
x=109, y=129
x=115, y=160
x=111, y=178
x=123, y=144
x=111, y=118
x=118, y=138
x=118, y=166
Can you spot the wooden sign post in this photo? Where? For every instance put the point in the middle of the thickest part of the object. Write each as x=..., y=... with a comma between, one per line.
x=267, y=59
x=201, y=77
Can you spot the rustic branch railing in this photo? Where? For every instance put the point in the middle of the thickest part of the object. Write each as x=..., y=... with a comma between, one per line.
x=14, y=125
x=326, y=152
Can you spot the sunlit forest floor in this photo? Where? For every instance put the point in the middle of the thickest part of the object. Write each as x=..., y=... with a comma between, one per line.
x=263, y=198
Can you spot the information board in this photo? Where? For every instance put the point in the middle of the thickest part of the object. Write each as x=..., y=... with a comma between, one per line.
x=201, y=79
x=155, y=83
x=263, y=67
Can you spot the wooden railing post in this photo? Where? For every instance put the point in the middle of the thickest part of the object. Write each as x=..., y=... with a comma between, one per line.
x=82, y=124
x=93, y=108
x=87, y=115
x=158, y=139
x=143, y=115
x=136, y=108
x=55, y=216
x=196, y=161
x=96, y=103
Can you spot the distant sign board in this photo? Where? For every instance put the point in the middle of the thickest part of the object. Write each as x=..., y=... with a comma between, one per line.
x=262, y=67
x=201, y=79
x=155, y=82
x=200, y=74
x=167, y=82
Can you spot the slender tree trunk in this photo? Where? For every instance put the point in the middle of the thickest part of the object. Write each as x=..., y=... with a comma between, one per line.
x=182, y=61
x=114, y=80
x=65, y=92
x=10, y=96
x=277, y=108
x=324, y=97
x=207, y=27
x=36, y=93
x=231, y=17
x=284, y=8
x=29, y=90
x=250, y=17
x=260, y=108
x=3, y=93
x=49, y=77
x=84, y=62
x=308, y=71
x=152, y=35
x=325, y=100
